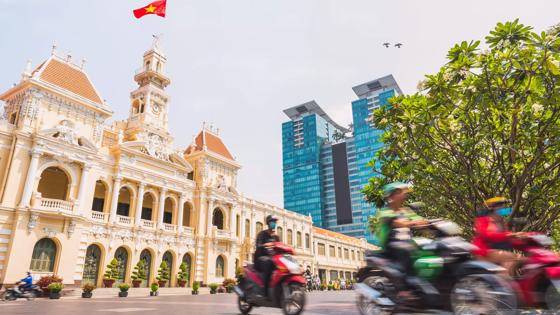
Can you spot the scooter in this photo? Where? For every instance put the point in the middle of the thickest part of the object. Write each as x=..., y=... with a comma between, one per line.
x=538, y=279
x=446, y=278
x=30, y=294
x=287, y=284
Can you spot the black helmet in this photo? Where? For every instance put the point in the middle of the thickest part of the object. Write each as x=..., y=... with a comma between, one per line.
x=270, y=218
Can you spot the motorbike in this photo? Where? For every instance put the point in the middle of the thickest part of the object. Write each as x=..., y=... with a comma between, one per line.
x=11, y=294
x=446, y=278
x=286, y=289
x=538, y=279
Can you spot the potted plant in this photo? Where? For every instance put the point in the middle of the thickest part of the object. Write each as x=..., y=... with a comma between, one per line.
x=183, y=276
x=195, y=287
x=154, y=289
x=229, y=284
x=87, y=290
x=323, y=286
x=139, y=274
x=44, y=282
x=221, y=289
x=55, y=289
x=111, y=274
x=163, y=274
x=213, y=287
x=123, y=287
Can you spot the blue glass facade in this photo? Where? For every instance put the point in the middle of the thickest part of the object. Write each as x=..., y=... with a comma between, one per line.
x=310, y=163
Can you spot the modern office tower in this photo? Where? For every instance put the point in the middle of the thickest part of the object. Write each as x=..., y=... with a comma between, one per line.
x=324, y=174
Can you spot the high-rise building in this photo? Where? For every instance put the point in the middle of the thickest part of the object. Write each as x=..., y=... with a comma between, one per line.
x=325, y=172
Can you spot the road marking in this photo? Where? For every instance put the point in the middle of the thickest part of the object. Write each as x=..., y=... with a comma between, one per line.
x=126, y=310
x=11, y=304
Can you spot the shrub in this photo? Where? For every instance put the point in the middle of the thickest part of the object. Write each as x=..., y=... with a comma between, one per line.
x=183, y=273
x=163, y=272
x=88, y=287
x=55, y=287
x=239, y=273
x=112, y=273
x=213, y=287
x=228, y=282
x=195, y=286
x=124, y=287
x=139, y=272
x=154, y=287
x=46, y=280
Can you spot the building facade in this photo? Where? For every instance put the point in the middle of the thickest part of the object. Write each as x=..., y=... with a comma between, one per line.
x=324, y=171
x=77, y=192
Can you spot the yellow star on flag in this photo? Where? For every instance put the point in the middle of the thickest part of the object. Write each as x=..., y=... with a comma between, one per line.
x=150, y=9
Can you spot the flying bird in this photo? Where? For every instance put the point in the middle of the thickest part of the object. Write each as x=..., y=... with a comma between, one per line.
x=386, y=45
x=398, y=45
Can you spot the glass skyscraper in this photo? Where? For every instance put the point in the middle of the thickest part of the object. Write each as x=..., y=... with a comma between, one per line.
x=324, y=175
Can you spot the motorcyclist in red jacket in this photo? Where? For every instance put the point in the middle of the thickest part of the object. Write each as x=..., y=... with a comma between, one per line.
x=492, y=236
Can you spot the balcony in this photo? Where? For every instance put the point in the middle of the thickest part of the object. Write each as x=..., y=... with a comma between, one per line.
x=147, y=224
x=56, y=205
x=124, y=220
x=169, y=227
x=187, y=230
x=98, y=216
x=221, y=234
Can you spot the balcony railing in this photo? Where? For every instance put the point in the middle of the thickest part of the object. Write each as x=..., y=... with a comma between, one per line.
x=169, y=227
x=98, y=216
x=123, y=220
x=221, y=234
x=147, y=224
x=55, y=205
x=187, y=230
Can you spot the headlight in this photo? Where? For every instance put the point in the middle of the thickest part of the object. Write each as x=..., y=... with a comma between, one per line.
x=292, y=267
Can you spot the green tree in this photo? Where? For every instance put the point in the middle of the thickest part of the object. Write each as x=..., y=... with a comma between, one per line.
x=139, y=272
x=112, y=273
x=486, y=124
x=183, y=272
x=163, y=272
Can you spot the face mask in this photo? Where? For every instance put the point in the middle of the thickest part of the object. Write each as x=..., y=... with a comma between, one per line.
x=272, y=225
x=503, y=212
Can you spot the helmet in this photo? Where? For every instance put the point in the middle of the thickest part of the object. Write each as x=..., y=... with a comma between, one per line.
x=389, y=189
x=270, y=218
x=495, y=202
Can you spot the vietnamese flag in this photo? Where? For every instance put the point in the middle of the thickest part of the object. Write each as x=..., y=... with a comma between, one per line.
x=156, y=7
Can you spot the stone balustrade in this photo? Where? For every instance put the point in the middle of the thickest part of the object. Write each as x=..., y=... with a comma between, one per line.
x=55, y=205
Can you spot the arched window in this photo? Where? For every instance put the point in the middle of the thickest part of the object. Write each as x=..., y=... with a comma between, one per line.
x=146, y=257
x=259, y=227
x=91, y=264
x=280, y=233
x=307, y=241
x=147, y=206
x=123, y=205
x=247, y=228
x=99, y=197
x=168, y=211
x=121, y=254
x=44, y=255
x=187, y=260
x=220, y=267
x=218, y=219
x=298, y=239
x=290, y=238
x=54, y=184
x=187, y=214
x=168, y=258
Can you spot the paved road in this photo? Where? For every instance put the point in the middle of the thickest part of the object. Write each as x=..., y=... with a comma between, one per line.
x=324, y=303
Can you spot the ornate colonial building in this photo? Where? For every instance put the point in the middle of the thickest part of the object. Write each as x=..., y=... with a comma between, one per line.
x=76, y=192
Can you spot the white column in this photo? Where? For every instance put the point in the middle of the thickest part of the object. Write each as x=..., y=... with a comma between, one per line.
x=115, y=198
x=30, y=180
x=162, y=193
x=180, y=213
x=81, y=190
x=139, y=201
x=209, y=211
x=233, y=221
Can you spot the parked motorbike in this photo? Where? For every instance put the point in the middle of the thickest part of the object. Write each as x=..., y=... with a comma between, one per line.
x=286, y=289
x=538, y=279
x=446, y=278
x=11, y=294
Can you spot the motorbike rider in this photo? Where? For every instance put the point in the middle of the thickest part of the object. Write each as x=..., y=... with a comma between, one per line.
x=393, y=232
x=25, y=283
x=262, y=260
x=491, y=235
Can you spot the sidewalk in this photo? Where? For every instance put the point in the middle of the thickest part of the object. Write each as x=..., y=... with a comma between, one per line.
x=132, y=292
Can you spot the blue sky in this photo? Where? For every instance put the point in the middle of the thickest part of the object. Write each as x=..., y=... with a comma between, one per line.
x=239, y=63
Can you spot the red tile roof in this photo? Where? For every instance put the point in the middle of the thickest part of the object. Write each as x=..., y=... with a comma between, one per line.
x=213, y=143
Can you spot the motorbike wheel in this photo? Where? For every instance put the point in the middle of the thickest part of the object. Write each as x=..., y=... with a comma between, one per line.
x=244, y=306
x=294, y=300
x=9, y=296
x=31, y=295
x=367, y=307
x=552, y=299
x=381, y=284
x=475, y=295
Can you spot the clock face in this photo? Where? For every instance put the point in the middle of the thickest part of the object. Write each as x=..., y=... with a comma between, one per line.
x=155, y=109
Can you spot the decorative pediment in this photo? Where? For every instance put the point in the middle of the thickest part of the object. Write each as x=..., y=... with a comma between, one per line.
x=65, y=132
x=158, y=150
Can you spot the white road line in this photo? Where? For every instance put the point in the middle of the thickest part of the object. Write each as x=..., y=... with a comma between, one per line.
x=126, y=310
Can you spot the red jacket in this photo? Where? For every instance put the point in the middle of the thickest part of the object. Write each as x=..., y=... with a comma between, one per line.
x=488, y=231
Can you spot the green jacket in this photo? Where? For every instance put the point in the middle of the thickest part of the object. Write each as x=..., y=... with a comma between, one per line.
x=385, y=230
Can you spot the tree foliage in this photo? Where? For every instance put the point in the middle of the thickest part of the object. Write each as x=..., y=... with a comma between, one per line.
x=486, y=124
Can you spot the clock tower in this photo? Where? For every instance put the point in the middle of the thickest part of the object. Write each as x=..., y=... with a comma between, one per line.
x=149, y=103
